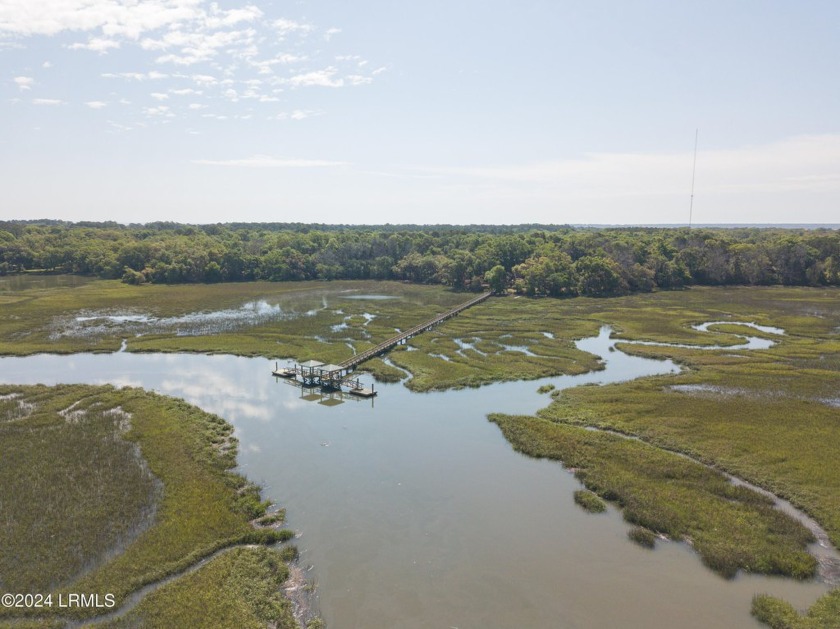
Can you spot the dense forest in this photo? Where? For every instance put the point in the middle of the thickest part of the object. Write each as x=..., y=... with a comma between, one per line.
x=532, y=259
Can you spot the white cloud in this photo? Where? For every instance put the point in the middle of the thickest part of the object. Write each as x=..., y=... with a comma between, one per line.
x=302, y=114
x=266, y=161
x=285, y=26
x=196, y=106
x=320, y=78
x=224, y=48
x=46, y=65
x=24, y=82
x=359, y=79
x=160, y=110
x=112, y=17
x=298, y=114
x=204, y=79
x=135, y=76
x=96, y=104
x=119, y=127
x=266, y=66
x=47, y=101
x=801, y=164
x=197, y=46
x=96, y=44
x=220, y=19
x=802, y=161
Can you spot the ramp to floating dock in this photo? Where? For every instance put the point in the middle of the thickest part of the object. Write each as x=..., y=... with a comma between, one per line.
x=352, y=363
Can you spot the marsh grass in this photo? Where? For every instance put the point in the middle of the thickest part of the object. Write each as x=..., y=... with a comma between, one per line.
x=81, y=545
x=754, y=422
x=42, y=623
x=278, y=517
x=240, y=588
x=491, y=326
x=31, y=316
x=588, y=501
x=73, y=489
x=732, y=528
x=778, y=614
x=642, y=536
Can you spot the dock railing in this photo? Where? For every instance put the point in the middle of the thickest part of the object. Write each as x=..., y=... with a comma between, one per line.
x=358, y=359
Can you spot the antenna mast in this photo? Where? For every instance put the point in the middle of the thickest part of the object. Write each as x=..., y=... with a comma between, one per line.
x=693, y=171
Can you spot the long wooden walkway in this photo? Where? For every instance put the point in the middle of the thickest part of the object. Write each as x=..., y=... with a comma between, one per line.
x=383, y=347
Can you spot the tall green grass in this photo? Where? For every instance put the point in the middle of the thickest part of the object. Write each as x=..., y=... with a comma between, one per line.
x=240, y=588
x=73, y=489
x=778, y=614
x=81, y=484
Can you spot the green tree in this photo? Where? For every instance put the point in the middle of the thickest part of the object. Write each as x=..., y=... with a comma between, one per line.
x=497, y=278
x=599, y=277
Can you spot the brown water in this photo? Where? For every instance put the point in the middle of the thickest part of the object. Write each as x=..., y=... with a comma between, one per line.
x=415, y=512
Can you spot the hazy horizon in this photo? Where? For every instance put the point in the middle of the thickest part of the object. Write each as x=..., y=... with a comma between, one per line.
x=831, y=226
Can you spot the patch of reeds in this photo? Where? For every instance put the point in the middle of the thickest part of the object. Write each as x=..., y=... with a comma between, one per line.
x=779, y=614
x=589, y=501
x=278, y=517
x=642, y=536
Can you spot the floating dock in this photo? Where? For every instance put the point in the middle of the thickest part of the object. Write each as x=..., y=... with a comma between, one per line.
x=313, y=373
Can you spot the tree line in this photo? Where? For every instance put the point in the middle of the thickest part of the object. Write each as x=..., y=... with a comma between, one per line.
x=534, y=260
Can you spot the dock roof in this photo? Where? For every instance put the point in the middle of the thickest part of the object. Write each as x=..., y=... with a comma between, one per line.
x=331, y=368
x=312, y=363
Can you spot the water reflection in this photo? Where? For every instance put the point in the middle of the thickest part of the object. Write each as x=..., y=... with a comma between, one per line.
x=417, y=512
x=137, y=323
x=751, y=342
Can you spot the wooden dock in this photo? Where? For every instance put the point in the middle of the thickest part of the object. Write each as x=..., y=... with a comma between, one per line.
x=383, y=347
x=313, y=373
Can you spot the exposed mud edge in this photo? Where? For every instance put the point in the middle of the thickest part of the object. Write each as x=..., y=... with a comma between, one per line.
x=302, y=593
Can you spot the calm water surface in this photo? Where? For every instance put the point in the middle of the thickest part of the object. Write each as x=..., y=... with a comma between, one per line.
x=415, y=512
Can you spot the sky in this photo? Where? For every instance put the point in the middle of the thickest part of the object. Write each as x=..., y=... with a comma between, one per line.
x=433, y=112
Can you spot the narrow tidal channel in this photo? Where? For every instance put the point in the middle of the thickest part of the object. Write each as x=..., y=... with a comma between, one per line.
x=415, y=512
